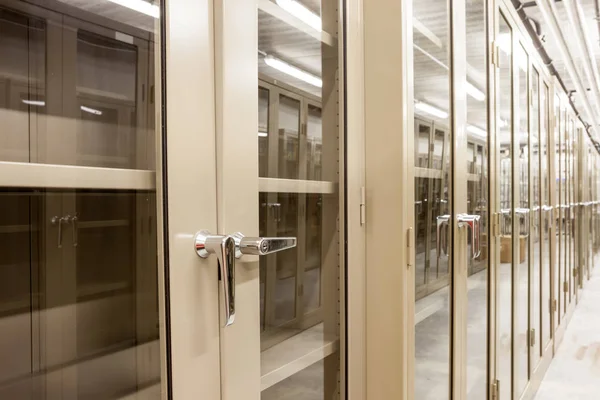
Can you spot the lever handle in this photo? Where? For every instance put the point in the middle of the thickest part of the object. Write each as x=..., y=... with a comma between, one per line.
x=523, y=214
x=260, y=246
x=56, y=220
x=74, y=222
x=442, y=236
x=223, y=247
x=472, y=222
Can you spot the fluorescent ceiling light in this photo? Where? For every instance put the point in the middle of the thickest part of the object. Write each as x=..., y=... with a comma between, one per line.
x=474, y=92
x=301, y=12
x=39, y=103
x=262, y=134
x=91, y=110
x=293, y=71
x=429, y=109
x=477, y=131
x=140, y=6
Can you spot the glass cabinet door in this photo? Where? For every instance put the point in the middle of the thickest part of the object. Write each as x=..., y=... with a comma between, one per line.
x=535, y=225
x=79, y=306
x=546, y=217
x=504, y=184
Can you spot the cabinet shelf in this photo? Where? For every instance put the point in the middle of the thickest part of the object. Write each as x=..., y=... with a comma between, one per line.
x=16, y=228
x=103, y=224
x=95, y=289
x=295, y=354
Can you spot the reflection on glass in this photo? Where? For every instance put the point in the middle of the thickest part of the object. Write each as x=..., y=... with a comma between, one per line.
x=558, y=213
x=289, y=135
x=263, y=132
x=564, y=231
x=522, y=219
x=573, y=272
x=477, y=200
x=23, y=97
x=535, y=218
x=433, y=192
x=86, y=298
x=505, y=186
x=314, y=143
x=78, y=272
x=546, y=213
x=78, y=93
x=299, y=141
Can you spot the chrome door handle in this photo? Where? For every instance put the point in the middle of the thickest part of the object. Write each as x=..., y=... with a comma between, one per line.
x=223, y=246
x=56, y=220
x=261, y=246
x=523, y=214
x=74, y=221
x=442, y=236
x=472, y=222
x=506, y=215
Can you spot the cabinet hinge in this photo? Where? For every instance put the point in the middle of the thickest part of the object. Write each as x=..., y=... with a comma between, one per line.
x=566, y=287
x=495, y=390
x=575, y=272
x=554, y=305
x=363, y=204
x=532, y=338
x=495, y=56
x=496, y=225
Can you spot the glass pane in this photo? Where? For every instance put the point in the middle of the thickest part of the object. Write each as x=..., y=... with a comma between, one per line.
x=314, y=143
x=505, y=183
x=84, y=287
x=22, y=83
x=312, y=262
x=299, y=141
x=92, y=105
x=558, y=213
x=546, y=214
x=288, y=131
x=263, y=132
x=433, y=191
x=477, y=199
x=79, y=276
x=522, y=216
x=536, y=211
x=422, y=205
x=563, y=276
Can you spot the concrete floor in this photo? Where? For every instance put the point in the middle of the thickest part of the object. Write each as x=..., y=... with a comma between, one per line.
x=575, y=371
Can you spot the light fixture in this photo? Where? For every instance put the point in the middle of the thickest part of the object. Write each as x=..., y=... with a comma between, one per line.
x=477, y=131
x=263, y=134
x=293, y=71
x=140, y=6
x=38, y=103
x=474, y=92
x=91, y=110
x=429, y=109
x=302, y=13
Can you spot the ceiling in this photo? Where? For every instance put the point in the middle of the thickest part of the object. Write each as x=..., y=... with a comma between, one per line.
x=591, y=25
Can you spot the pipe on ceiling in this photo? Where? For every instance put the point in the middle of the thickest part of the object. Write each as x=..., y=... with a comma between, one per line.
x=535, y=34
x=533, y=3
x=582, y=43
x=549, y=14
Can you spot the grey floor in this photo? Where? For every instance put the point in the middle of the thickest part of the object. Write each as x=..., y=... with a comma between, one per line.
x=575, y=371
